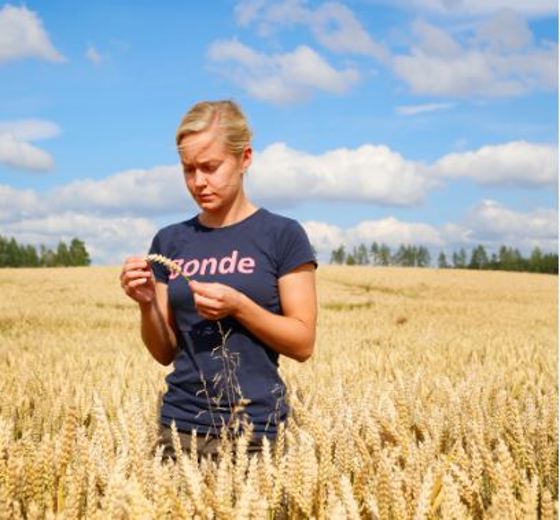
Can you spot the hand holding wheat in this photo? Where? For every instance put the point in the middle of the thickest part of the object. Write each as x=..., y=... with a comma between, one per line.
x=213, y=301
x=137, y=280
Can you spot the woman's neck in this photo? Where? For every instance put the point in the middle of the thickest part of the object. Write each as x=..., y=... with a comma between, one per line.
x=228, y=216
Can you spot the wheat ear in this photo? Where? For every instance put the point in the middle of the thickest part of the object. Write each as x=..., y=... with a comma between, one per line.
x=168, y=263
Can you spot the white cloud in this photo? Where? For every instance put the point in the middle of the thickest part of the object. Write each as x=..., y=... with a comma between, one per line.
x=500, y=60
x=108, y=240
x=282, y=176
x=488, y=223
x=282, y=77
x=30, y=129
x=270, y=16
x=247, y=10
x=495, y=57
x=413, y=110
x=391, y=231
x=15, y=150
x=506, y=30
x=369, y=173
x=19, y=154
x=492, y=222
x=17, y=204
x=114, y=230
x=332, y=24
x=305, y=67
x=224, y=50
x=158, y=190
x=99, y=212
x=514, y=163
x=324, y=237
x=22, y=36
x=434, y=41
x=456, y=235
x=335, y=26
x=93, y=55
x=476, y=7
x=279, y=176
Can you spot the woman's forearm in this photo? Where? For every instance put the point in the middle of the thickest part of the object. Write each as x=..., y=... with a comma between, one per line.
x=283, y=334
x=157, y=335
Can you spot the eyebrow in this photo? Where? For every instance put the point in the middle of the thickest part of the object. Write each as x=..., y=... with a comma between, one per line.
x=209, y=161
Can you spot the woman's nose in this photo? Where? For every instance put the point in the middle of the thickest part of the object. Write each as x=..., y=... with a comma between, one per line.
x=199, y=178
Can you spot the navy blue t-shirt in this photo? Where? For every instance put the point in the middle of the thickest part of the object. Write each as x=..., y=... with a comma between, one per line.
x=249, y=256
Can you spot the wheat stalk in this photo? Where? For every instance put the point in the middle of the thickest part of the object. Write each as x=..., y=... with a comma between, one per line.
x=168, y=263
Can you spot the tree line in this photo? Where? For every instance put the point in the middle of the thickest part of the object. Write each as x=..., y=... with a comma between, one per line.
x=13, y=254
x=505, y=259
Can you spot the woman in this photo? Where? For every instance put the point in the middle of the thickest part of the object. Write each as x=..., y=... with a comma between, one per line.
x=251, y=294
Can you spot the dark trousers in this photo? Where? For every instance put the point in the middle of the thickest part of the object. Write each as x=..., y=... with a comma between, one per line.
x=206, y=445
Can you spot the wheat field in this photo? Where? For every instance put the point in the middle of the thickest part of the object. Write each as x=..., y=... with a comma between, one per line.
x=431, y=394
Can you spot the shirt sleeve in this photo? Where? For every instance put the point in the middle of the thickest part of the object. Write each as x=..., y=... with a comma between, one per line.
x=294, y=248
x=160, y=272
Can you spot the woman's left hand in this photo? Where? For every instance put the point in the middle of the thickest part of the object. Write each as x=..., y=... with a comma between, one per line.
x=215, y=301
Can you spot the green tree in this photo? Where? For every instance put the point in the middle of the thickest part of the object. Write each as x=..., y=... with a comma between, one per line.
x=338, y=255
x=31, y=259
x=536, y=260
x=510, y=259
x=460, y=259
x=423, y=258
x=520, y=263
x=78, y=254
x=505, y=258
x=550, y=263
x=3, y=252
x=384, y=255
x=374, y=253
x=47, y=258
x=361, y=255
x=405, y=256
x=442, y=261
x=13, y=253
x=479, y=258
x=399, y=257
x=62, y=254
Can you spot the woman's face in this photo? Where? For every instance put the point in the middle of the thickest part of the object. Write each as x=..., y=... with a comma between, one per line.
x=213, y=175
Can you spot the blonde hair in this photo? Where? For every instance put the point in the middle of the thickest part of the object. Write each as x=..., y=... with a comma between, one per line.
x=226, y=114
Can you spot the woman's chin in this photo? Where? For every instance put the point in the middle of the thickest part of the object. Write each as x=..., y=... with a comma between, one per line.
x=209, y=206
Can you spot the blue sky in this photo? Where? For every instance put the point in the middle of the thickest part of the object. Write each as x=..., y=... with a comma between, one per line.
x=415, y=121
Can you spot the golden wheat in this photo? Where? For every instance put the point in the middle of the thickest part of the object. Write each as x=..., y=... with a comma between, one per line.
x=431, y=394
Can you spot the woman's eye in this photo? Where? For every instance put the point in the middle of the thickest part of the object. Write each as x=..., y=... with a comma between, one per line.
x=204, y=168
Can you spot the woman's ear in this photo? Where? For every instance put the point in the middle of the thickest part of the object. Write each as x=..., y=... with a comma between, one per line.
x=246, y=158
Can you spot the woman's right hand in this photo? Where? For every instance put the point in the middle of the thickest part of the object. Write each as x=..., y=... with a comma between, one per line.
x=137, y=280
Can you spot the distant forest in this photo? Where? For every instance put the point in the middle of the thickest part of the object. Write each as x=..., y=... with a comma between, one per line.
x=13, y=254
x=506, y=259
